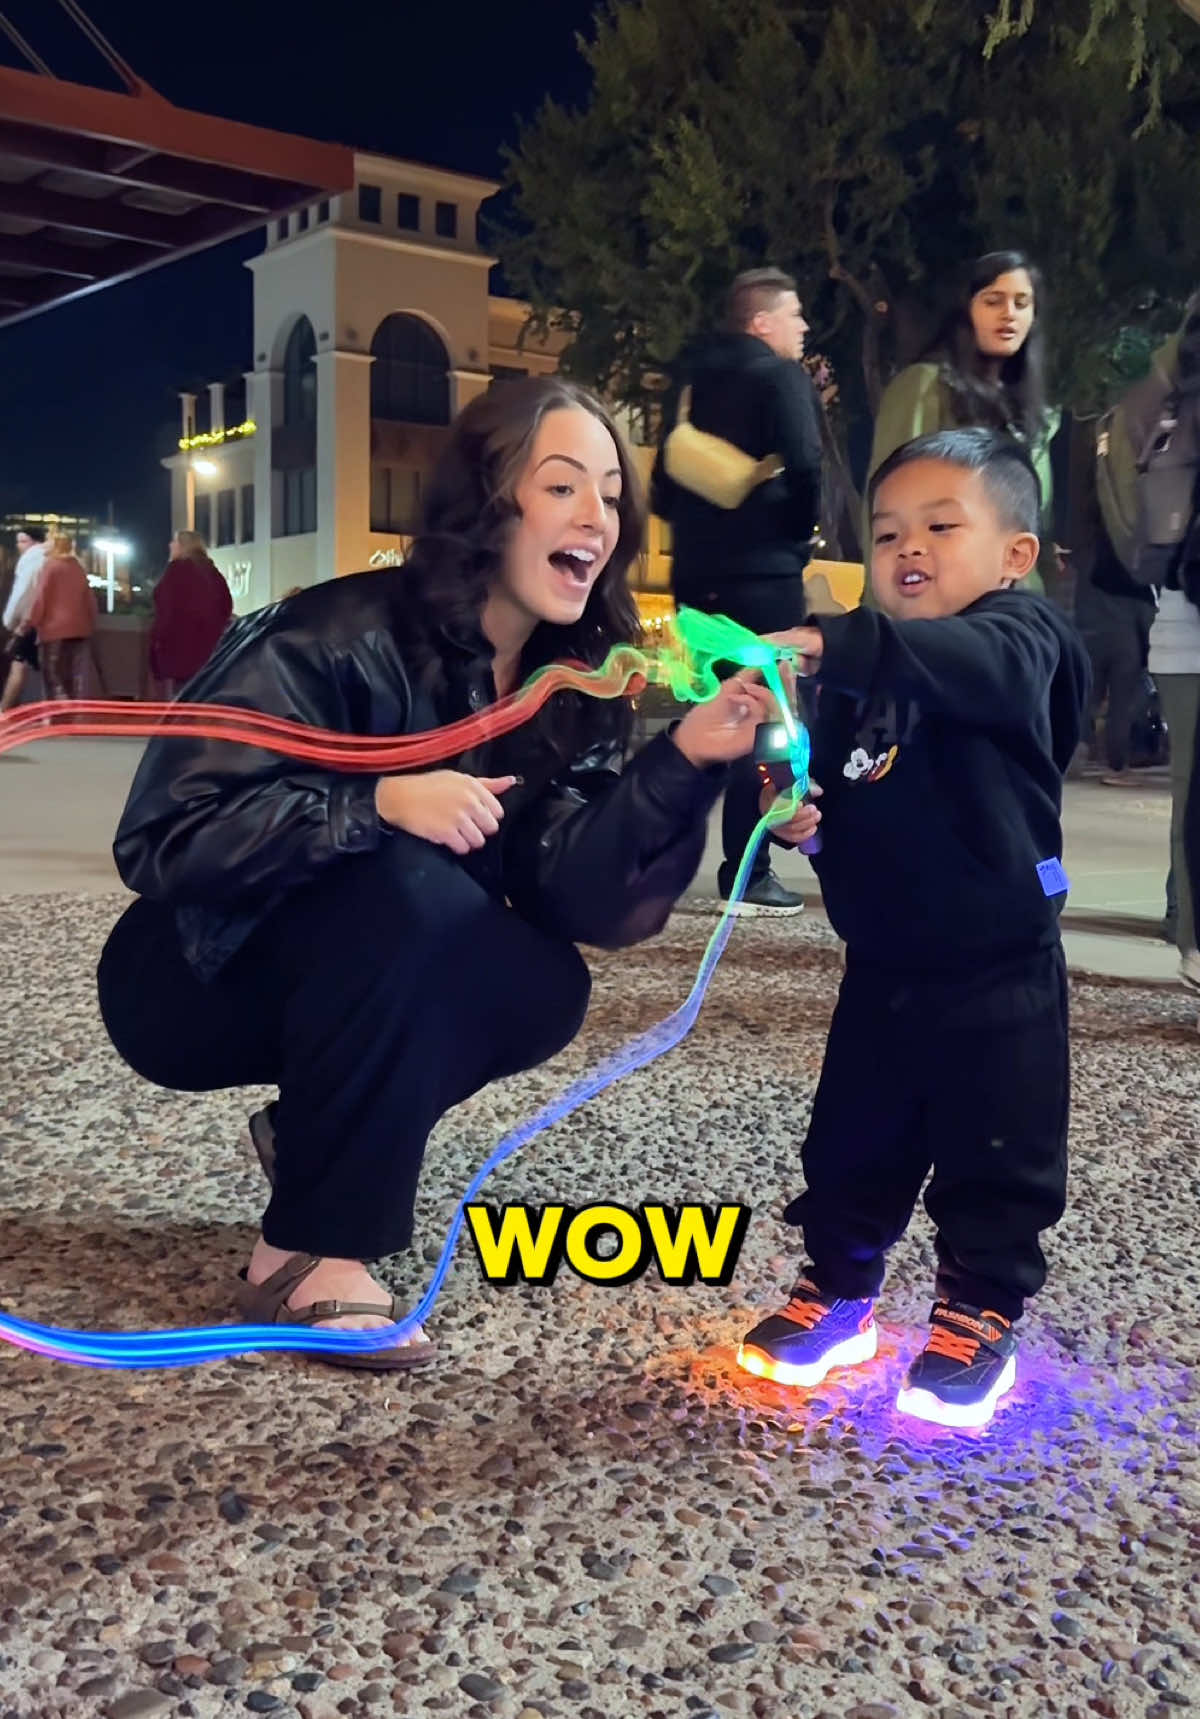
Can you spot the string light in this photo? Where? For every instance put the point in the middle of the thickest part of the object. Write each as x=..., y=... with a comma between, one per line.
x=215, y=438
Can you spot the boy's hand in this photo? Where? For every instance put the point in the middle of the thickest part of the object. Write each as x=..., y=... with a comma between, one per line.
x=801, y=827
x=807, y=641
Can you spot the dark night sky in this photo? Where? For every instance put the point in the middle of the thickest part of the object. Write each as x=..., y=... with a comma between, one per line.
x=88, y=397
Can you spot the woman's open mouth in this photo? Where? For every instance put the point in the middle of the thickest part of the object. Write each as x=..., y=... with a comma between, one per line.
x=575, y=564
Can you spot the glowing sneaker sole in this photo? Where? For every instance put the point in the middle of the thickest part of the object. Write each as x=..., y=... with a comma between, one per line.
x=848, y=1353
x=924, y=1406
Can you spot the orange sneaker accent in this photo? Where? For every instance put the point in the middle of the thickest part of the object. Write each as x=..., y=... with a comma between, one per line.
x=806, y=1313
x=953, y=1344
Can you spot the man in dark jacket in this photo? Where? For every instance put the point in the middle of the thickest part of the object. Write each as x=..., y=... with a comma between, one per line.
x=749, y=388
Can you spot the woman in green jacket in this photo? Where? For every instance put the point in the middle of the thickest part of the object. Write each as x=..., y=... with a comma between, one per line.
x=985, y=367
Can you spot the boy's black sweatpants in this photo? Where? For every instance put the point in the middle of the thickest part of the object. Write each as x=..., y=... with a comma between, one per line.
x=967, y=1076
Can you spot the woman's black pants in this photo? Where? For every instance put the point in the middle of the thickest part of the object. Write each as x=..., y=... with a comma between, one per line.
x=375, y=998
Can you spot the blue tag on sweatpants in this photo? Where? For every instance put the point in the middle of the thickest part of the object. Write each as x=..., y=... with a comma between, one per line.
x=1054, y=879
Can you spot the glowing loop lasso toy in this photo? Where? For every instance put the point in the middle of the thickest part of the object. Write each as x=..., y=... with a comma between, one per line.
x=685, y=665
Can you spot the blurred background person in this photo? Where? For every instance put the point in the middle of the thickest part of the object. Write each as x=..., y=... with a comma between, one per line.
x=21, y=650
x=63, y=616
x=192, y=606
x=745, y=386
x=985, y=367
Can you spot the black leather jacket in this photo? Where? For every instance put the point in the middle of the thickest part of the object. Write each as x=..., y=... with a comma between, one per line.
x=222, y=831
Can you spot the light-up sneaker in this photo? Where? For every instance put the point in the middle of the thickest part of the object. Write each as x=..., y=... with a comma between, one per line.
x=968, y=1363
x=810, y=1336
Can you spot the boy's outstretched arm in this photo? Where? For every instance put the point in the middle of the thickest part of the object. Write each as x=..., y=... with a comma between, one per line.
x=990, y=666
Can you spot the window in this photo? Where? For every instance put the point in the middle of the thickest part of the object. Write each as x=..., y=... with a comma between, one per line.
x=410, y=378
x=247, y=513
x=204, y=517
x=299, y=501
x=506, y=373
x=395, y=499
x=445, y=220
x=281, y=228
x=408, y=212
x=370, y=203
x=226, y=524
x=302, y=220
x=300, y=375
x=323, y=209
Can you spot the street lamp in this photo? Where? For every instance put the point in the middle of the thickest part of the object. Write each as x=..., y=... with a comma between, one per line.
x=111, y=548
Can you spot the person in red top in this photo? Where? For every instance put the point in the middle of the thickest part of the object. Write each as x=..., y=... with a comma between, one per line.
x=192, y=606
x=63, y=615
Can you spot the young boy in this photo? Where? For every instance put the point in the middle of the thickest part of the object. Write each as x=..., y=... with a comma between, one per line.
x=945, y=719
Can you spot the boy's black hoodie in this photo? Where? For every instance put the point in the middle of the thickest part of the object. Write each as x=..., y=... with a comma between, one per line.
x=941, y=747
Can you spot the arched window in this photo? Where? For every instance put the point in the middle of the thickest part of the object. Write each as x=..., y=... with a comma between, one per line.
x=410, y=378
x=300, y=375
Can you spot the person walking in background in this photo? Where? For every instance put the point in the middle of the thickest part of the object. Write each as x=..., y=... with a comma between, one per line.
x=745, y=391
x=986, y=367
x=192, y=606
x=1148, y=485
x=22, y=646
x=63, y=616
x=1114, y=614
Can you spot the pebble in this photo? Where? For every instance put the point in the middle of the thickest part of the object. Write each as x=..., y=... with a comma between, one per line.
x=629, y=1635
x=730, y=1651
x=139, y=1704
x=481, y=1688
x=228, y=1671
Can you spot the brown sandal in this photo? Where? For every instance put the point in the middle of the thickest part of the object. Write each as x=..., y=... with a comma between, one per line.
x=262, y=1138
x=266, y=1304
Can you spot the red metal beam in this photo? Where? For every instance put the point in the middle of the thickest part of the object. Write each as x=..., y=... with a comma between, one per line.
x=103, y=216
x=74, y=262
x=241, y=175
x=147, y=121
x=40, y=148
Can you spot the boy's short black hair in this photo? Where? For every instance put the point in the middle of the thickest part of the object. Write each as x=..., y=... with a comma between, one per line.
x=36, y=532
x=1008, y=472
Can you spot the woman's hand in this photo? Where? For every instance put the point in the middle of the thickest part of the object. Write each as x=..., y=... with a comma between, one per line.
x=722, y=728
x=801, y=827
x=456, y=811
x=806, y=642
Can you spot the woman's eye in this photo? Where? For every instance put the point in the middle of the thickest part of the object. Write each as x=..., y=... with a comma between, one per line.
x=561, y=489
x=613, y=501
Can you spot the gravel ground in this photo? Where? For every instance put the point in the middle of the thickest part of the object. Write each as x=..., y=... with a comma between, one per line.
x=586, y=1510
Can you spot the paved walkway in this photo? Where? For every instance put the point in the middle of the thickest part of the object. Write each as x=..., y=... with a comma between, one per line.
x=60, y=801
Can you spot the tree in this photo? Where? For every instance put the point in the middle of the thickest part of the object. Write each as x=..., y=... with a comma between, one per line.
x=721, y=134
x=1140, y=32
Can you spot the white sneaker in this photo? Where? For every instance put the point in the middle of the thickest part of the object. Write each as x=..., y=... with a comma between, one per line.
x=1189, y=968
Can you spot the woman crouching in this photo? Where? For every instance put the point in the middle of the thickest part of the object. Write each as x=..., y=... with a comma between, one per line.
x=380, y=948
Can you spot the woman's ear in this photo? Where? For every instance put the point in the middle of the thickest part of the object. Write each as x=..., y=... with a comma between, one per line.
x=1020, y=556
